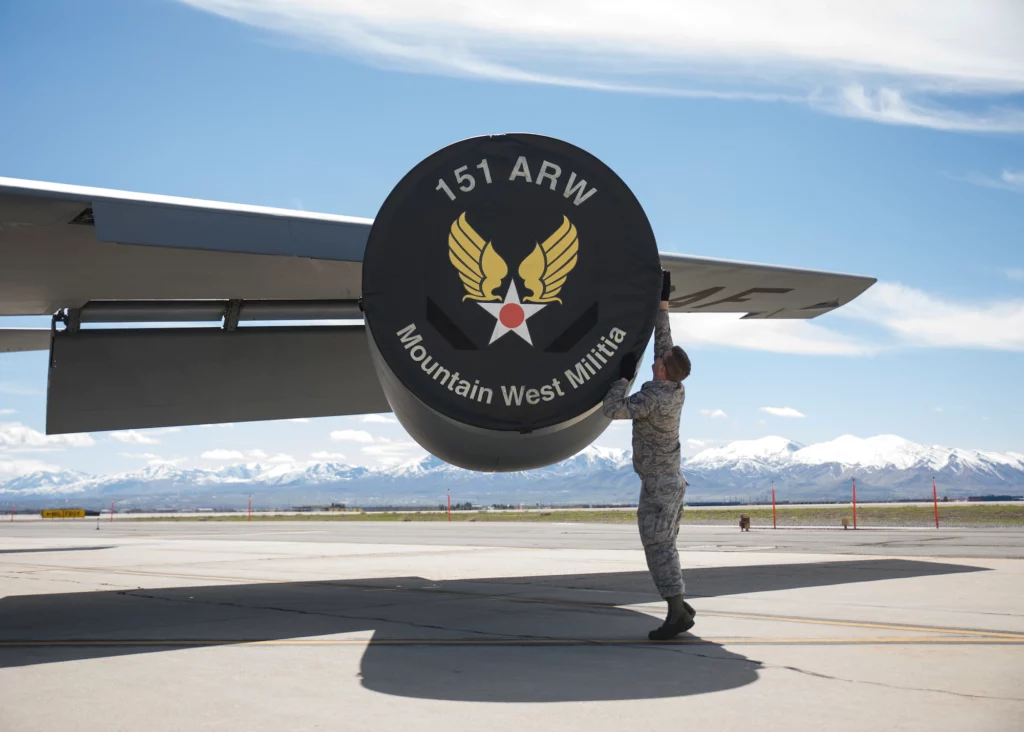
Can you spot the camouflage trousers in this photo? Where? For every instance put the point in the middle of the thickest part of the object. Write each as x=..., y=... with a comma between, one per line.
x=661, y=507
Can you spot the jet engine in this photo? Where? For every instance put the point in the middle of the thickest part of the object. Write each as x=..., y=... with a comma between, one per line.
x=504, y=279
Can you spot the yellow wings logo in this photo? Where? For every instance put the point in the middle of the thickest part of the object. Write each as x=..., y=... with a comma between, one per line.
x=482, y=269
x=544, y=270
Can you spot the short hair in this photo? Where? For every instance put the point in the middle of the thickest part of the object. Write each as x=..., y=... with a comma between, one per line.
x=677, y=364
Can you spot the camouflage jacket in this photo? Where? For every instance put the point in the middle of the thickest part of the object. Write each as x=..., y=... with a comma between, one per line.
x=655, y=411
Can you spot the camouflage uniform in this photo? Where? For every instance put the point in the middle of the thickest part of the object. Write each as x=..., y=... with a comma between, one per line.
x=655, y=411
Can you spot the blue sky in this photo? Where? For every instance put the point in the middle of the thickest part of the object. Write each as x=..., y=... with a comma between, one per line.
x=798, y=143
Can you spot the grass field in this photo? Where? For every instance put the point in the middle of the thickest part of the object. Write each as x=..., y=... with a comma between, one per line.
x=979, y=515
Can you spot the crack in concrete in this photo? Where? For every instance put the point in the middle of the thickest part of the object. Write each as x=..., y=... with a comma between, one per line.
x=896, y=687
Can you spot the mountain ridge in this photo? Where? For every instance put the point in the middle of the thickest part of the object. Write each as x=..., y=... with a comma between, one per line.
x=885, y=466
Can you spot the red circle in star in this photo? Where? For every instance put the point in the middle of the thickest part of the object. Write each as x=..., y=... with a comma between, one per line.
x=511, y=315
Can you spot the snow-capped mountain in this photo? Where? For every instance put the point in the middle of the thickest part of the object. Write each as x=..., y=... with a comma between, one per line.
x=885, y=466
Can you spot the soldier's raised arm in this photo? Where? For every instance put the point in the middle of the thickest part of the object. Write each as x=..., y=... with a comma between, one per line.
x=618, y=405
x=662, y=329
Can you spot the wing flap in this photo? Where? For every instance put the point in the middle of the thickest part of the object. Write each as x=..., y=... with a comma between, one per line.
x=109, y=379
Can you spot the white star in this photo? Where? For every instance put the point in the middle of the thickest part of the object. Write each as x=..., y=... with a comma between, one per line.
x=511, y=315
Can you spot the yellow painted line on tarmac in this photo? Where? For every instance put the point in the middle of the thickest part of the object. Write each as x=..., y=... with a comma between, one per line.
x=272, y=533
x=174, y=575
x=512, y=598
x=856, y=624
x=724, y=641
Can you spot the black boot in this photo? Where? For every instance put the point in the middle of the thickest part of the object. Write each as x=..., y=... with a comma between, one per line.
x=679, y=620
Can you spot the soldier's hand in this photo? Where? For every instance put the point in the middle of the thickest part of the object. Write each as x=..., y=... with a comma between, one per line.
x=628, y=366
x=666, y=285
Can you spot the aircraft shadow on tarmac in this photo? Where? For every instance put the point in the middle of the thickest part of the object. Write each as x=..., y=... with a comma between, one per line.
x=509, y=639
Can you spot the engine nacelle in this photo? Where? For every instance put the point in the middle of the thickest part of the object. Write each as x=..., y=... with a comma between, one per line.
x=504, y=280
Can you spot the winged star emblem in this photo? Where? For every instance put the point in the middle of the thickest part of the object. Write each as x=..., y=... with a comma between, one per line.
x=482, y=270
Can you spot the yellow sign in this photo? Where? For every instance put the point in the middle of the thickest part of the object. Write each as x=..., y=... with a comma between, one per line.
x=64, y=513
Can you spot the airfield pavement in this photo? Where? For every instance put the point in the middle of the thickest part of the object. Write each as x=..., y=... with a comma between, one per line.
x=408, y=626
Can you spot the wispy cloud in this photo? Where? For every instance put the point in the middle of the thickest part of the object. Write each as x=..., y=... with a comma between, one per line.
x=894, y=107
x=907, y=63
x=787, y=412
x=1007, y=180
x=5, y=412
x=222, y=425
x=16, y=436
x=351, y=436
x=1015, y=273
x=714, y=413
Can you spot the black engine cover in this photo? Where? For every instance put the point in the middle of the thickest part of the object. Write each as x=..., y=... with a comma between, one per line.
x=504, y=279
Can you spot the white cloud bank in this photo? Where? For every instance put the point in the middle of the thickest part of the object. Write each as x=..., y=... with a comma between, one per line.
x=394, y=452
x=351, y=436
x=918, y=319
x=135, y=437
x=778, y=336
x=14, y=468
x=328, y=456
x=714, y=413
x=905, y=317
x=16, y=436
x=377, y=419
x=222, y=454
x=239, y=456
x=904, y=63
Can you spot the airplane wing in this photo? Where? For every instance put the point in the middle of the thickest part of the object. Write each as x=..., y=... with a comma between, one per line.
x=13, y=340
x=102, y=257
x=762, y=291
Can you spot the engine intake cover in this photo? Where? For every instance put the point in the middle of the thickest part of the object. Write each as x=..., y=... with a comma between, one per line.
x=504, y=279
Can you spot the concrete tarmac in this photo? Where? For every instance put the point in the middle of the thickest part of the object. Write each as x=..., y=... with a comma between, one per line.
x=406, y=626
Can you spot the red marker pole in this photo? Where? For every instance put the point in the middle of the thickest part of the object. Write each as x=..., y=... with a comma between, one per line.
x=935, y=500
x=250, y=509
x=111, y=510
x=449, y=505
x=855, y=503
x=12, y=512
x=774, y=524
